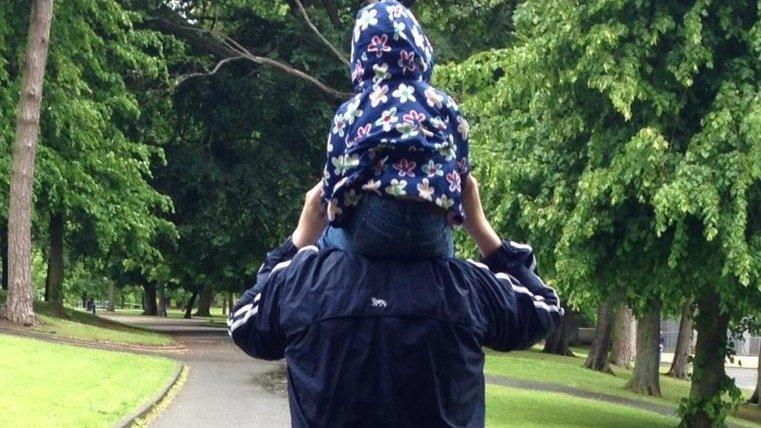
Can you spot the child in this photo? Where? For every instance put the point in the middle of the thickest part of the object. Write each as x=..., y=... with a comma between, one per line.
x=397, y=151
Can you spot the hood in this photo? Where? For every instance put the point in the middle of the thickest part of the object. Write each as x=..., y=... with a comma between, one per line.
x=389, y=44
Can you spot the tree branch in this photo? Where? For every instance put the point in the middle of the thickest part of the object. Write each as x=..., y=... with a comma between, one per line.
x=311, y=25
x=183, y=78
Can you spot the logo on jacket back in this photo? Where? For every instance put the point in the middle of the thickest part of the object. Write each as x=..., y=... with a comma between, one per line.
x=377, y=303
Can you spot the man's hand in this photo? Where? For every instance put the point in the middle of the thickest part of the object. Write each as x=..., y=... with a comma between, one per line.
x=476, y=224
x=312, y=221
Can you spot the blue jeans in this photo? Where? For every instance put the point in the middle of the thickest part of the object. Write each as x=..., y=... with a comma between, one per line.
x=390, y=228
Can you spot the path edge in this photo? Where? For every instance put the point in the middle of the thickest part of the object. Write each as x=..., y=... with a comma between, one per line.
x=146, y=408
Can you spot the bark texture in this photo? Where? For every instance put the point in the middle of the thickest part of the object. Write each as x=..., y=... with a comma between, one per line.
x=162, y=301
x=708, y=366
x=559, y=342
x=111, y=296
x=204, y=302
x=191, y=303
x=624, y=333
x=680, y=365
x=645, y=379
x=19, y=306
x=54, y=280
x=598, y=355
x=755, y=397
x=149, y=305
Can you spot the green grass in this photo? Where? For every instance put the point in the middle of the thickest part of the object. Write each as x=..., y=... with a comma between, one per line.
x=216, y=317
x=49, y=384
x=84, y=326
x=536, y=366
x=508, y=407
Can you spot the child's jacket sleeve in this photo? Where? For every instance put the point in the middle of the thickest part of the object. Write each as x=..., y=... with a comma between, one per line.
x=520, y=308
x=253, y=322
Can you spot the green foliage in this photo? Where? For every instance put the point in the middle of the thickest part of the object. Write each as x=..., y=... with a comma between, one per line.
x=622, y=139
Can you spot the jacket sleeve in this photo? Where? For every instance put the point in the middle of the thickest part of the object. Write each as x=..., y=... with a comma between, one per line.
x=520, y=308
x=253, y=322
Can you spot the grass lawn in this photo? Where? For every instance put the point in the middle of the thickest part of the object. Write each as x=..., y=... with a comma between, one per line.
x=50, y=384
x=84, y=326
x=216, y=317
x=536, y=366
x=508, y=407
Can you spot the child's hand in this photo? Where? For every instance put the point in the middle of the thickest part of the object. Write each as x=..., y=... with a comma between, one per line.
x=312, y=221
x=476, y=224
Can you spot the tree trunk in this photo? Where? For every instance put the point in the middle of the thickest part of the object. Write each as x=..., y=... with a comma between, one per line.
x=204, y=302
x=680, y=364
x=112, y=296
x=54, y=279
x=645, y=379
x=230, y=302
x=162, y=301
x=624, y=333
x=149, y=306
x=755, y=397
x=224, y=302
x=19, y=305
x=559, y=341
x=708, y=365
x=598, y=355
x=191, y=302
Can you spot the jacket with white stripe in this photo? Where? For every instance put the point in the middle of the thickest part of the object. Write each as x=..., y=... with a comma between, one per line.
x=390, y=343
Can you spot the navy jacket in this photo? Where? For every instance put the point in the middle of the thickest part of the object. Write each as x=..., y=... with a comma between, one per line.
x=390, y=343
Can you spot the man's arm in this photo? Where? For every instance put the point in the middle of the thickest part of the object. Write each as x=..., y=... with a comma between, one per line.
x=520, y=308
x=253, y=322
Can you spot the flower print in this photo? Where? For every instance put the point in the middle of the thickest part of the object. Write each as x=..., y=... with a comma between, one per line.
x=463, y=127
x=404, y=93
x=379, y=44
x=434, y=98
x=438, y=123
x=379, y=165
x=407, y=61
x=396, y=187
x=363, y=132
x=405, y=168
x=372, y=186
x=454, y=181
x=334, y=209
x=407, y=130
x=387, y=119
x=339, y=125
x=344, y=163
x=351, y=198
x=414, y=118
x=379, y=95
x=367, y=18
x=447, y=150
x=395, y=11
x=352, y=110
x=451, y=104
x=464, y=165
x=418, y=36
x=444, y=202
x=433, y=169
x=399, y=28
x=358, y=71
x=425, y=190
x=380, y=72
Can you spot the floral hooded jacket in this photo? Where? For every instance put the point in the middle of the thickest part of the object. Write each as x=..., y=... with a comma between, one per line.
x=398, y=136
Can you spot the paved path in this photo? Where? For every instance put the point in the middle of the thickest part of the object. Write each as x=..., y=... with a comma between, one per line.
x=225, y=387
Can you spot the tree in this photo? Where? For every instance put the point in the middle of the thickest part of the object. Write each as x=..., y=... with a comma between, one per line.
x=679, y=366
x=559, y=341
x=597, y=359
x=18, y=308
x=645, y=379
x=627, y=136
x=624, y=332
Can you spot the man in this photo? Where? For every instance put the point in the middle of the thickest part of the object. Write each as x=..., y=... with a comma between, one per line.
x=391, y=343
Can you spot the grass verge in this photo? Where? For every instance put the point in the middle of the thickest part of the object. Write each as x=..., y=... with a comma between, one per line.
x=84, y=326
x=50, y=384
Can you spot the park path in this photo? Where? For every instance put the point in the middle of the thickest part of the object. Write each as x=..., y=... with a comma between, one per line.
x=225, y=387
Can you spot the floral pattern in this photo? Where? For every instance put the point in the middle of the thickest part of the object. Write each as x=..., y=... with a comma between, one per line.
x=397, y=136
